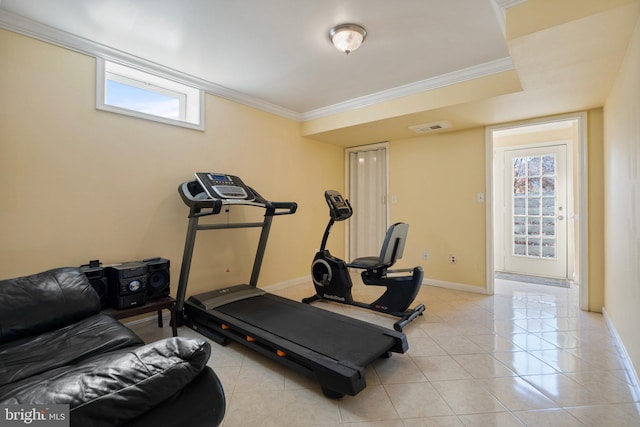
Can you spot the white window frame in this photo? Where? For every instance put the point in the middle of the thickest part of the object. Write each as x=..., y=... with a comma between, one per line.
x=191, y=99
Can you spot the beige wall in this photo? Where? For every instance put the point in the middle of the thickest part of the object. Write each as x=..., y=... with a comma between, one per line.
x=435, y=179
x=596, y=188
x=79, y=184
x=622, y=201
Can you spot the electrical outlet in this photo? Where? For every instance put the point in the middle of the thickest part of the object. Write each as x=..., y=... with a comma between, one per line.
x=453, y=259
x=425, y=255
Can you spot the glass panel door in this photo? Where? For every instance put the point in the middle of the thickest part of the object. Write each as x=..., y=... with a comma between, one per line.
x=537, y=231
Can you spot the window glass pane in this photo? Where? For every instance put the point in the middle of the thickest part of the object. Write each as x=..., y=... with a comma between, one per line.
x=533, y=166
x=548, y=165
x=519, y=206
x=519, y=166
x=548, y=186
x=534, y=186
x=533, y=206
x=145, y=101
x=519, y=186
x=548, y=206
x=533, y=227
x=519, y=225
x=533, y=247
x=548, y=248
x=520, y=246
x=549, y=226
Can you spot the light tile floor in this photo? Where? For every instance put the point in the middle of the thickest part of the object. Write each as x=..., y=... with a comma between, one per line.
x=525, y=356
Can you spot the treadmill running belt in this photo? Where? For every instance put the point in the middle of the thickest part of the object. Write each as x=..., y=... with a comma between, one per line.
x=330, y=334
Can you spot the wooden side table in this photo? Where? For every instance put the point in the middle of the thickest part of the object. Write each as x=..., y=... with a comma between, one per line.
x=158, y=305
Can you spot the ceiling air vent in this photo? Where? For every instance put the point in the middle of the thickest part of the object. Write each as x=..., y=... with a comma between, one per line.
x=430, y=127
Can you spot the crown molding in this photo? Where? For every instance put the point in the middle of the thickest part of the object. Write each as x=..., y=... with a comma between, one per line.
x=454, y=77
x=36, y=30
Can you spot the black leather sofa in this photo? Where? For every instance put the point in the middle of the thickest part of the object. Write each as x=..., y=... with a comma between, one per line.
x=57, y=348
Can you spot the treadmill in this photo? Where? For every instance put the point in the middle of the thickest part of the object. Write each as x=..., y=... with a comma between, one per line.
x=332, y=348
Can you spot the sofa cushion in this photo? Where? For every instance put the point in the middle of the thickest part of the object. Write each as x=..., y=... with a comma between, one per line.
x=32, y=355
x=110, y=389
x=45, y=301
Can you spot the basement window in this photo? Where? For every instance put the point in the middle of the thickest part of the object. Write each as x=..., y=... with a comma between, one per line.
x=133, y=92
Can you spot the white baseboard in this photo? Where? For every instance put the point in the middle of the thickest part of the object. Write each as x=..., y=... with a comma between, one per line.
x=453, y=285
x=625, y=356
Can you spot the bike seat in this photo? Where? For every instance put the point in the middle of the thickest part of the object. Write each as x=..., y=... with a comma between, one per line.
x=391, y=251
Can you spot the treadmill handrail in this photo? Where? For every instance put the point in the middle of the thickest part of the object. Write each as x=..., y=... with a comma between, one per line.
x=197, y=204
x=291, y=208
x=272, y=207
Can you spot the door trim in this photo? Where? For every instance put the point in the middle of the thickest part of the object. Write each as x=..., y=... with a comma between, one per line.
x=583, y=200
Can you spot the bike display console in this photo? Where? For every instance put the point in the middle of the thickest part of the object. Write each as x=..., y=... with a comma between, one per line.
x=281, y=329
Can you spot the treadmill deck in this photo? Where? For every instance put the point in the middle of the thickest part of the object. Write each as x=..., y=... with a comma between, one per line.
x=324, y=332
x=317, y=339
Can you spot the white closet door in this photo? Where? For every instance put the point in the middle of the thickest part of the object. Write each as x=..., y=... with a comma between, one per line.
x=368, y=196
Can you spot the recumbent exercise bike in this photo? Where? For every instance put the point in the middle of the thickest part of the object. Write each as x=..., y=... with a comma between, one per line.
x=332, y=281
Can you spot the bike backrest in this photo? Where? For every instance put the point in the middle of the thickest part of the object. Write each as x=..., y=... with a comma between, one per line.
x=393, y=246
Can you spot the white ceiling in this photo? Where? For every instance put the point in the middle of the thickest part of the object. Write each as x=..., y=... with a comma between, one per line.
x=427, y=60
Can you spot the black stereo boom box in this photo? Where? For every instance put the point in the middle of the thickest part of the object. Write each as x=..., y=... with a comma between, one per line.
x=97, y=276
x=127, y=284
x=157, y=278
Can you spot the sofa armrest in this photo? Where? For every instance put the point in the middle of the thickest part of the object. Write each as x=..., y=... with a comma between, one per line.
x=41, y=302
x=110, y=389
x=201, y=403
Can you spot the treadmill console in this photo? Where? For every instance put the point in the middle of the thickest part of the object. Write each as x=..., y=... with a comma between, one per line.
x=221, y=186
x=339, y=207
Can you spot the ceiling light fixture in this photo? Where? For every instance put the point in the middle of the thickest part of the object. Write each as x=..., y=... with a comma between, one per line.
x=347, y=37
